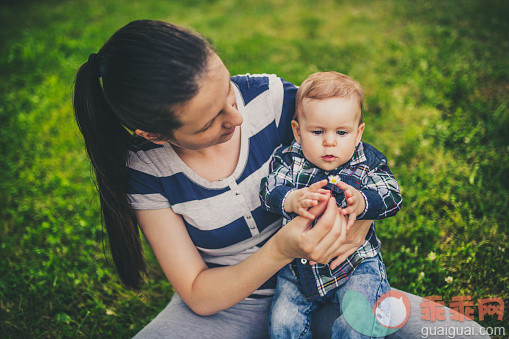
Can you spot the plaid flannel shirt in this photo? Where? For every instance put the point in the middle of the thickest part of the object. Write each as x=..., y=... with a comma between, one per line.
x=367, y=171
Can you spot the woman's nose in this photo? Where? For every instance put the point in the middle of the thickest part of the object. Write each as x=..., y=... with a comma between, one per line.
x=232, y=117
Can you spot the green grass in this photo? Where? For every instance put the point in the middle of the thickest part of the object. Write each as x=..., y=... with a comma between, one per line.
x=436, y=78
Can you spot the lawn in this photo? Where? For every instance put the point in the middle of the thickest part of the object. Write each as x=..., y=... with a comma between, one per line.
x=436, y=77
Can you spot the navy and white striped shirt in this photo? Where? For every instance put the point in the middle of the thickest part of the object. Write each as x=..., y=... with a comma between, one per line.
x=224, y=218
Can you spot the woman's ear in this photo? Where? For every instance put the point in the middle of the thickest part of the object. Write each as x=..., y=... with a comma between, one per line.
x=152, y=137
x=296, y=130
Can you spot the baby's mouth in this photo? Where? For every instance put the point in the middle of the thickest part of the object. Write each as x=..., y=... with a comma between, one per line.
x=328, y=158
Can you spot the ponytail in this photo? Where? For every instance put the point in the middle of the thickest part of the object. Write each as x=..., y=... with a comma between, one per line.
x=147, y=69
x=107, y=143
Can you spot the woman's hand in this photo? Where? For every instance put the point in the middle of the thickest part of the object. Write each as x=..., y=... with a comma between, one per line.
x=354, y=239
x=320, y=243
x=327, y=240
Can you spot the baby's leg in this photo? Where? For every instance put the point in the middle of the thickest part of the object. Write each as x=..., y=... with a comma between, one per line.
x=369, y=279
x=290, y=315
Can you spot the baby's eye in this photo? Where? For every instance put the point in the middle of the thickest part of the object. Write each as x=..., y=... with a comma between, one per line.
x=341, y=132
x=317, y=132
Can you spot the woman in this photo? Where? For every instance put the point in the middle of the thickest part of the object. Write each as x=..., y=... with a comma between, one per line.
x=196, y=143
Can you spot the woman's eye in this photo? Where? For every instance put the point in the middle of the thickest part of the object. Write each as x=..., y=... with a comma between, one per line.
x=341, y=132
x=317, y=132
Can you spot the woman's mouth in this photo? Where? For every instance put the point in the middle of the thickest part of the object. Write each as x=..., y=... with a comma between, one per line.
x=230, y=131
x=328, y=158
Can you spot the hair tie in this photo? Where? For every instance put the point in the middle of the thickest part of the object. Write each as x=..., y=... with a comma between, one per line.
x=93, y=62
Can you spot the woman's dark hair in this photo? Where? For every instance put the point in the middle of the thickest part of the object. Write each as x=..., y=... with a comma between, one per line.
x=147, y=68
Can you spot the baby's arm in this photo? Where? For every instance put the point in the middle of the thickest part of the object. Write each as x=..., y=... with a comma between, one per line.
x=356, y=203
x=275, y=186
x=378, y=198
x=278, y=186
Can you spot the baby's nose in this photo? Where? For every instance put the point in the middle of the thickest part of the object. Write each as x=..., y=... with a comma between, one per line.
x=329, y=141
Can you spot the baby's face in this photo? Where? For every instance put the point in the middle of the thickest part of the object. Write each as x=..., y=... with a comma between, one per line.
x=328, y=131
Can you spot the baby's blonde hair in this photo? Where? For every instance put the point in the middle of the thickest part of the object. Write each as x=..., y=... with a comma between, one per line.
x=325, y=85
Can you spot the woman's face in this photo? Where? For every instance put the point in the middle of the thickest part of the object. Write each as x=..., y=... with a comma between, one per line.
x=211, y=116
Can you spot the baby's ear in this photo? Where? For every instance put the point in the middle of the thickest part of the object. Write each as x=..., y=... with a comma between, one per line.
x=296, y=131
x=360, y=130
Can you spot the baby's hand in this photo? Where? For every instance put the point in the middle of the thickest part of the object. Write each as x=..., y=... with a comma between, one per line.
x=300, y=200
x=355, y=203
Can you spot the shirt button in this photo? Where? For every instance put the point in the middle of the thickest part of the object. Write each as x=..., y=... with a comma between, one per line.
x=237, y=193
x=248, y=217
x=303, y=261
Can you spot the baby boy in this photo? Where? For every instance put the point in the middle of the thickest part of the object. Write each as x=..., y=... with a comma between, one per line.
x=328, y=154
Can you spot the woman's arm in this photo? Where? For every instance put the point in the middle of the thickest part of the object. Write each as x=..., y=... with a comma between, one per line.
x=207, y=291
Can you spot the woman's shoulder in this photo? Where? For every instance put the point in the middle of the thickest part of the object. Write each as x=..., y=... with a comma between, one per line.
x=251, y=85
x=253, y=81
x=267, y=98
x=149, y=158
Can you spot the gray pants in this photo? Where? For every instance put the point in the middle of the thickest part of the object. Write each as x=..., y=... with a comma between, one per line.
x=249, y=319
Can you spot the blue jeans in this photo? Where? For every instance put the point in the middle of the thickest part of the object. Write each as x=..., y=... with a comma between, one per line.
x=291, y=313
